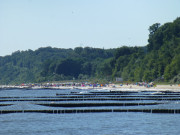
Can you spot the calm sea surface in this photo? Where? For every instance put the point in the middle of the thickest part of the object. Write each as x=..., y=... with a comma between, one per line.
x=110, y=123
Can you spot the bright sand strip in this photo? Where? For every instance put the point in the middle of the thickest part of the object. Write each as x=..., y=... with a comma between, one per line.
x=130, y=87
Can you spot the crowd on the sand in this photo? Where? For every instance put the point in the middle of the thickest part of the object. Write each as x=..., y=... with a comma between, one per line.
x=146, y=84
x=87, y=84
x=79, y=84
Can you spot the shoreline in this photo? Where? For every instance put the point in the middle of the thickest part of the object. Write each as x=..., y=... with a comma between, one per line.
x=115, y=87
x=154, y=87
x=173, y=88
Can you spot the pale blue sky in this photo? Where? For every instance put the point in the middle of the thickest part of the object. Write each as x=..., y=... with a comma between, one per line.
x=30, y=24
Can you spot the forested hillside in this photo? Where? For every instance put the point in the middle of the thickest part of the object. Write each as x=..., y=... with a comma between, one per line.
x=158, y=61
x=51, y=64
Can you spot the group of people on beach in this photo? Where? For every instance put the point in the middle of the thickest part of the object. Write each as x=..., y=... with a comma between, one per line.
x=145, y=84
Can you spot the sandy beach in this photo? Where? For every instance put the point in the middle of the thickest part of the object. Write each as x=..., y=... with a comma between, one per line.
x=175, y=88
x=113, y=87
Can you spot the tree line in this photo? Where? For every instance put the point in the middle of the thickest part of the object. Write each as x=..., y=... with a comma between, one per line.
x=159, y=60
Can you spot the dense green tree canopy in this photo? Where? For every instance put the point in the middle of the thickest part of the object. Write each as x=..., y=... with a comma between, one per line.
x=159, y=60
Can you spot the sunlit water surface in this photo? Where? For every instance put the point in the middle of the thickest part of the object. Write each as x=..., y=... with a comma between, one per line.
x=116, y=123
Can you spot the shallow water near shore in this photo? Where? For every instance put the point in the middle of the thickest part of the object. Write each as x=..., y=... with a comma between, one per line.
x=104, y=123
x=89, y=123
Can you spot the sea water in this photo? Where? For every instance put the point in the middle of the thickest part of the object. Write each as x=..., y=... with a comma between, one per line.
x=110, y=123
x=89, y=124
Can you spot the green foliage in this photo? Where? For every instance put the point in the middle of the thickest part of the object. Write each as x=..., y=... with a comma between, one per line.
x=173, y=68
x=65, y=67
x=160, y=59
x=104, y=69
x=51, y=64
x=153, y=29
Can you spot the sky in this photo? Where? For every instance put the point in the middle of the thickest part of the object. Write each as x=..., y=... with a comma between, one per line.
x=31, y=24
